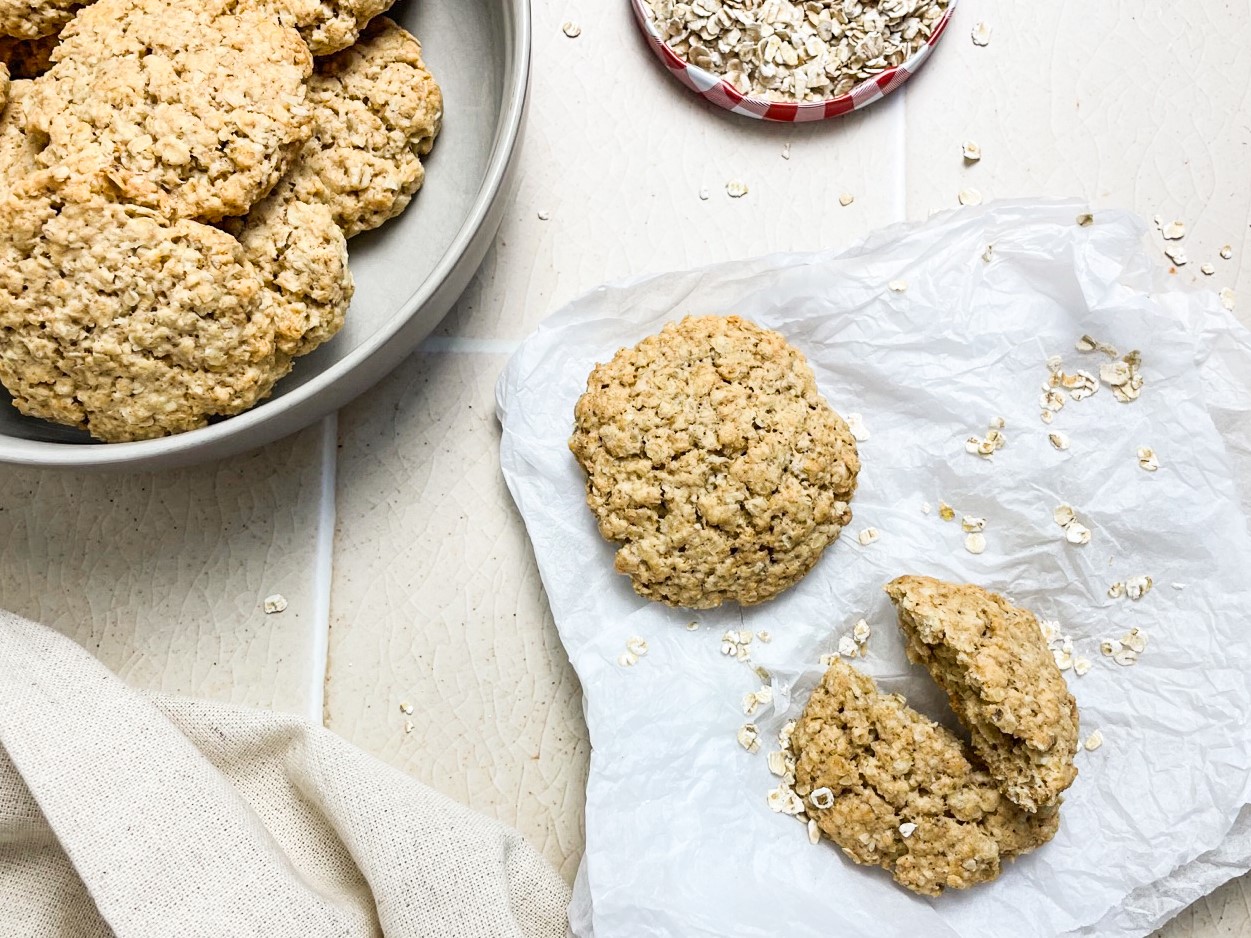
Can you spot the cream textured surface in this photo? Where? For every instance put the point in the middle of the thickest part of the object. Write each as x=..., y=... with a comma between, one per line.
x=435, y=600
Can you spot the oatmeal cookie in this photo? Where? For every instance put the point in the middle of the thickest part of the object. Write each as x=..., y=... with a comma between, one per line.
x=329, y=25
x=712, y=457
x=28, y=58
x=199, y=108
x=376, y=113
x=301, y=256
x=877, y=765
x=17, y=152
x=4, y=85
x=123, y=323
x=993, y=661
x=31, y=19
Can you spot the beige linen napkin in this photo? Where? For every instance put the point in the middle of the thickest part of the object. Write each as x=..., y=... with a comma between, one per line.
x=155, y=817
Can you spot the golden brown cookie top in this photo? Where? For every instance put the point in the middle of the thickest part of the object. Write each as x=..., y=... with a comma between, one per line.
x=121, y=322
x=715, y=462
x=31, y=19
x=376, y=113
x=894, y=789
x=198, y=108
x=301, y=257
x=992, y=659
x=328, y=25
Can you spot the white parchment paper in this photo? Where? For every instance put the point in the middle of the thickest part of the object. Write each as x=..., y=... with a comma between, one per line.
x=680, y=841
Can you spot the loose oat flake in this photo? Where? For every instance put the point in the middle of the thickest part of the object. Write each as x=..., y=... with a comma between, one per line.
x=274, y=604
x=1174, y=231
x=1147, y=459
x=972, y=152
x=814, y=832
x=925, y=508
x=764, y=636
x=1207, y=270
x=867, y=536
x=846, y=199
x=780, y=762
x=544, y=215
x=406, y=708
x=847, y=647
x=861, y=631
x=749, y=737
x=822, y=798
x=736, y=189
x=1177, y=255
x=636, y=645
x=704, y=195
x=907, y=829
x=855, y=423
x=898, y=286
x=572, y=30
x=1136, y=587
x=1081, y=665
x=975, y=543
x=786, y=151
x=1227, y=299
x=972, y=525
x=627, y=660
x=981, y=34
x=1093, y=741
x=946, y=512
x=1085, y=220
x=790, y=50
x=1227, y=252
x=969, y=197
x=1063, y=515
x=1059, y=440
x=1077, y=533
x=784, y=801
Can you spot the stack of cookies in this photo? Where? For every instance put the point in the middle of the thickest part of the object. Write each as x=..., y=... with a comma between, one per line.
x=177, y=186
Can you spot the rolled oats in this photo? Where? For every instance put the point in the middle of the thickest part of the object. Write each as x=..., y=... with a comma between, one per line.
x=1228, y=299
x=1227, y=252
x=636, y=645
x=572, y=30
x=781, y=762
x=975, y=543
x=1207, y=270
x=925, y=508
x=946, y=512
x=1059, y=440
x=867, y=536
x=1147, y=459
x=969, y=196
x=1177, y=254
x=814, y=832
x=822, y=798
x=972, y=152
x=855, y=423
x=907, y=829
x=1116, y=590
x=898, y=286
x=971, y=525
x=1077, y=533
x=847, y=647
x=783, y=800
x=1085, y=220
x=1093, y=741
x=1081, y=665
x=1173, y=231
x=981, y=34
x=1136, y=587
x=846, y=199
x=795, y=50
x=736, y=189
x=275, y=604
x=544, y=215
x=749, y=737
x=627, y=660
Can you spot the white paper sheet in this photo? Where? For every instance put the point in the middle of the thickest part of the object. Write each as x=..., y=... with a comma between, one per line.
x=680, y=841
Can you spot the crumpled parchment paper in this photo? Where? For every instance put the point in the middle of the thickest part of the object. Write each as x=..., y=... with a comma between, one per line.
x=680, y=840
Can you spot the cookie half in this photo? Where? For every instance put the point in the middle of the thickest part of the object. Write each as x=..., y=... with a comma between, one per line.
x=896, y=790
x=713, y=460
x=376, y=113
x=1001, y=678
x=196, y=109
x=123, y=323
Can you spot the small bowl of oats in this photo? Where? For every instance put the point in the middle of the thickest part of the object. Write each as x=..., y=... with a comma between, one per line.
x=793, y=60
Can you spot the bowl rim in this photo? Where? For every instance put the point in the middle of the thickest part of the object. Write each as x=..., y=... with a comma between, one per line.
x=717, y=90
x=48, y=454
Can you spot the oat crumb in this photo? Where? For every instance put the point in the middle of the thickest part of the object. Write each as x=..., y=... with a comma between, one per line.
x=1094, y=741
x=275, y=604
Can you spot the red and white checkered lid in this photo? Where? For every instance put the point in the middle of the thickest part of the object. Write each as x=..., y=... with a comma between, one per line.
x=721, y=93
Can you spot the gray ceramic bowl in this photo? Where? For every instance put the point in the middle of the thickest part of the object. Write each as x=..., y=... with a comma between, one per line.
x=408, y=273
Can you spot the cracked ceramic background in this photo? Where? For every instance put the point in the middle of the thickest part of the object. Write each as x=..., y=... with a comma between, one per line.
x=435, y=598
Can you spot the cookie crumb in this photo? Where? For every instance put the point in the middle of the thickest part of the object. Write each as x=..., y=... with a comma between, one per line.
x=971, y=151
x=406, y=708
x=275, y=604
x=571, y=29
x=846, y=199
x=907, y=829
x=981, y=34
x=736, y=189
